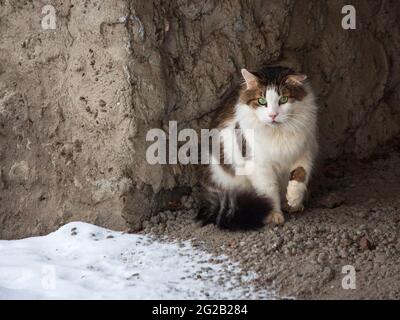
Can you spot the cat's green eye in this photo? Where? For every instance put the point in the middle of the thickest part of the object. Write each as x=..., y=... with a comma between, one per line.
x=284, y=100
x=262, y=101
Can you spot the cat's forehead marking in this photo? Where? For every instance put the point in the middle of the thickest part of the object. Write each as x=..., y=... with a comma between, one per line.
x=271, y=93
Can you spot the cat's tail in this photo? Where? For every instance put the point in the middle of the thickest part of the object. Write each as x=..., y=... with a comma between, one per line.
x=234, y=210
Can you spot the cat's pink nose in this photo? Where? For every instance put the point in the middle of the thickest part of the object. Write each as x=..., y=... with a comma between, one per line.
x=273, y=115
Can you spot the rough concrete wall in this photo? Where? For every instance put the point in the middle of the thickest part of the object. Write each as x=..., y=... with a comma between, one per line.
x=76, y=103
x=65, y=115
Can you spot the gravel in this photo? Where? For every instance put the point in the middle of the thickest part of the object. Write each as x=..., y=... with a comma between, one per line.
x=349, y=221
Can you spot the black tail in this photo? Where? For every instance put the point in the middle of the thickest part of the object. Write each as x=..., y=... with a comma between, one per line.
x=234, y=210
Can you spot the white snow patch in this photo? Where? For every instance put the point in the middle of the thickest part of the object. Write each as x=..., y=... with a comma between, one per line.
x=83, y=261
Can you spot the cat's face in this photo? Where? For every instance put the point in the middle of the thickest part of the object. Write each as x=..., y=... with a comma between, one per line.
x=273, y=94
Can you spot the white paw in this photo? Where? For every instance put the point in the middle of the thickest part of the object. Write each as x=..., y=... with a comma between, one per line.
x=275, y=218
x=295, y=195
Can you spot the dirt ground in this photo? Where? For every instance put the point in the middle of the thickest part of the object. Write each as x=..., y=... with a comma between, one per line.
x=352, y=218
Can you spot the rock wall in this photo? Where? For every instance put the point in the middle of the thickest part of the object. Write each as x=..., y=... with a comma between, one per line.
x=76, y=102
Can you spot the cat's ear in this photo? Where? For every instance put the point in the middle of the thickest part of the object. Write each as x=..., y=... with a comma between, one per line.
x=251, y=79
x=296, y=79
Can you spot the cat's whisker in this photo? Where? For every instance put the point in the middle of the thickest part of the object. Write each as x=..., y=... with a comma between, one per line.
x=303, y=126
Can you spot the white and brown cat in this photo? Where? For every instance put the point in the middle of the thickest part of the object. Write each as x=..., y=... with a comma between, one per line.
x=274, y=114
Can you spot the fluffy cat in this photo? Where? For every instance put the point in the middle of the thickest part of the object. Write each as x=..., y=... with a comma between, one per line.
x=273, y=114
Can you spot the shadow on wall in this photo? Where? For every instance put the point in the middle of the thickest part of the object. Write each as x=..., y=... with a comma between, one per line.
x=354, y=72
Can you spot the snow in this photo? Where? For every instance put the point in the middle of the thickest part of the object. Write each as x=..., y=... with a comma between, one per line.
x=83, y=261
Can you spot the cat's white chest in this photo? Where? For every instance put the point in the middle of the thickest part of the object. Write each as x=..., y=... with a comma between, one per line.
x=277, y=147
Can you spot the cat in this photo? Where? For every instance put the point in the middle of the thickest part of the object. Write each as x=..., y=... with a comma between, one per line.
x=274, y=115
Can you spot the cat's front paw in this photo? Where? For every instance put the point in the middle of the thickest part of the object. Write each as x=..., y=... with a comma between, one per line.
x=295, y=195
x=275, y=217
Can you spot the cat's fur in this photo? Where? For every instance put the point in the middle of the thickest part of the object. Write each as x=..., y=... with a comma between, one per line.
x=284, y=147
